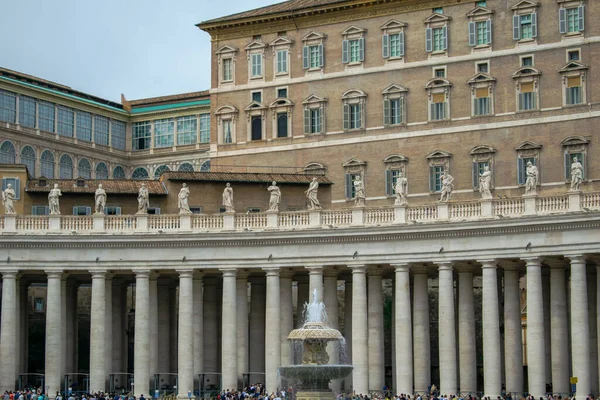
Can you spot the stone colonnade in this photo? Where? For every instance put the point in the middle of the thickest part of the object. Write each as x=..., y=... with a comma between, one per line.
x=235, y=321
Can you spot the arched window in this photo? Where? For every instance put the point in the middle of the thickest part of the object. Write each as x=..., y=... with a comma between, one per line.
x=159, y=170
x=101, y=171
x=28, y=158
x=140, y=173
x=8, y=154
x=186, y=167
x=47, y=161
x=118, y=172
x=205, y=167
x=85, y=169
x=65, y=170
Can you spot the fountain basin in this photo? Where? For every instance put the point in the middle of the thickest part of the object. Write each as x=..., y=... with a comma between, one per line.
x=315, y=330
x=309, y=377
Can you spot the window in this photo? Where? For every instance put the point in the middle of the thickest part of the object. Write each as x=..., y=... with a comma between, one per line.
x=40, y=210
x=256, y=127
x=46, y=116
x=573, y=55
x=483, y=67
x=354, y=169
x=82, y=210
x=527, y=88
x=314, y=114
x=226, y=124
x=438, y=39
x=438, y=91
x=439, y=162
x=395, y=165
x=395, y=111
x=112, y=210
x=39, y=305
x=482, y=87
x=66, y=119
x=257, y=96
x=196, y=210
x=436, y=33
x=396, y=44
x=140, y=173
x=255, y=52
x=8, y=106
x=522, y=168
x=282, y=66
x=8, y=154
x=227, y=137
x=27, y=111
x=281, y=48
x=164, y=130
x=84, y=126
x=439, y=72
x=185, y=167
x=256, y=65
x=47, y=164
x=478, y=169
x=571, y=20
x=16, y=185
x=186, y=129
x=438, y=107
x=527, y=98
x=227, y=69
x=28, y=157
x=527, y=61
x=101, y=130
x=480, y=33
x=65, y=167
x=118, y=172
x=353, y=118
x=282, y=124
x=573, y=90
x=350, y=188
x=438, y=10
x=118, y=134
x=153, y=210
x=282, y=93
x=353, y=51
x=525, y=26
x=85, y=168
x=481, y=3
x=574, y=75
x=226, y=60
x=575, y=149
x=159, y=170
x=101, y=171
x=354, y=109
x=392, y=40
x=313, y=57
x=205, y=167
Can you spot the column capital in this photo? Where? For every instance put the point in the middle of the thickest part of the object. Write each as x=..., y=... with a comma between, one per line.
x=142, y=273
x=98, y=273
x=533, y=262
x=54, y=274
x=577, y=259
x=491, y=263
x=445, y=265
x=358, y=269
x=185, y=273
x=10, y=274
x=271, y=271
x=401, y=267
x=315, y=270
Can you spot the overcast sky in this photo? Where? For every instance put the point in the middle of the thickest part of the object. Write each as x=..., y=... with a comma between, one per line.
x=142, y=48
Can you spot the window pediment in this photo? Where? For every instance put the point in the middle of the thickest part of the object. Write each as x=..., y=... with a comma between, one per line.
x=437, y=154
x=393, y=25
x=525, y=4
x=437, y=18
x=255, y=105
x=226, y=49
x=573, y=66
x=395, y=158
x=255, y=45
x=317, y=36
x=526, y=72
x=354, y=162
x=353, y=30
x=574, y=141
x=226, y=110
x=353, y=94
x=281, y=103
x=438, y=82
x=527, y=145
x=483, y=149
x=481, y=78
x=281, y=41
x=314, y=168
x=314, y=99
x=393, y=89
x=480, y=12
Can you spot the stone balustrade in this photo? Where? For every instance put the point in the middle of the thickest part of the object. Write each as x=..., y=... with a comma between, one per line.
x=294, y=220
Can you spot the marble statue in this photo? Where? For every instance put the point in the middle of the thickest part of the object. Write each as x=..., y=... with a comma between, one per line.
x=401, y=189
x=485, y=183
x=576, y=175
x=228, y=198
x=311, y=195
x=532, y=179
x=53, y=200
x=182, y=200
x=8, y=199
x=143, y=200
x=447, y=186
x=359, y=192
x=100, y=200
x=275, y=197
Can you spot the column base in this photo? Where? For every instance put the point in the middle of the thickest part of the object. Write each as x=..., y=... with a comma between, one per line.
x=184, y=396
x=315, y=396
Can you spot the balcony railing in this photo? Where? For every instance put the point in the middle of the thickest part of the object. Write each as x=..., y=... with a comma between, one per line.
x=297, y=220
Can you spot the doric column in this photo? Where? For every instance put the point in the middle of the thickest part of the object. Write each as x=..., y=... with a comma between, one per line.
x=211, y=341
x=141, y=357
x=97, y=332
x=315, y=282
x=302, y=298
x=580, y=330
x=330, y=300
x=118, y=328
x=185, y=338
x=54, y=333
x=447, y=330
x=273, y=330
x=63, y=312
x=560, y=327
x=402, y=331
x=23, y=317
x=153, y=324
x=163, y=326
x=597, y=308
x=287, y=315
x=242, y=325
x=536, y=368
x=257, y=328
x=467, y=355
x=108, y=331
x=375, y=329
x=348, y=327
x=359, y=330
x=420, y=316
x=8, y=332
x=492, y=361
x=513, y=339
x=591, y=282
x=547, y=327
x=173, y=316
x=198, y=325
x=228, y=331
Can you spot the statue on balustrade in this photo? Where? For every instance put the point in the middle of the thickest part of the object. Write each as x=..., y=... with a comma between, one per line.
x=8, y=199
x=401, y=190
x=100, y=200
x=53, y=200
x=311, y=195
x=576, y=175
x=182, y=200
x=359, y=192
x=275, y=197
x=485, y=183
x=447, y=186
x=532, y=179
x=228, y=198
x=143, y=200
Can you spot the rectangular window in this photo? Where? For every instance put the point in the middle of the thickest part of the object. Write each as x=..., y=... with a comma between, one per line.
x=438, y=39
x=439, y=72
x=572, y=20
x=570, y=159
x=526, y=26
x=196, y=210
x=438, y=106
x=186, y=129
x=84, y=126
x=438, y=10
x=527, y=61
x=522, y=168
x=527, y=98
x=393, y=111
x=40, y=210
x=483, y=67
x=39, y=305
x=350, y=188
x=435, y=178
x=481, y=28
x=100, y=130
x=204, y=128
x=312, y=120
x=256, y=60
x=282, y=93
x=66, y=119
x=153, y=210
x=354, y=50
x=164, y=130
x=46, y=116
x=27, y=111
x=573, y=55
x=118, y=134
x=282, y=56
x=574, y=90
x=257, y=96
x=391, y=177
x=141, y=136
x=112, y=210
x=478, y=169
x=16, y=185
x=481, y=102
x=82, y=210
x=227, y=69
x=256, y=128
x=481, y=3
x=227, y=136
x=395, y=48
x=314, y=56
x=282, y=124
x=354, y=116
x=8, y=106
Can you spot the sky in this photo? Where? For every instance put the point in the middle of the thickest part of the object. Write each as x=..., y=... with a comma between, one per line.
x=141, y=48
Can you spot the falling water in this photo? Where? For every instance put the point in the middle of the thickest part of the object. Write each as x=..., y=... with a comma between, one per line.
x=315, y=310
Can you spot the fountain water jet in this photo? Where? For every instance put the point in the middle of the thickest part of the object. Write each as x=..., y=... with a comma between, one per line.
x=313, y=375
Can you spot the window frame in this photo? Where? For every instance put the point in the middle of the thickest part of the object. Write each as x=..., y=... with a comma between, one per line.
x=478, y=16
x=353, y=46
x=255, y=56
x=281, y=44
x=571, y=70
x=437, y=159
x=572, y=146
x=354, y=99
x=16, y=184
x=163, y=132
x=278, y=107
x=481, y=156
x=394, y=164
x=6, y=97
x=526, y=151
x=482, y=81
x=313, y=43
x=389, y=29
x=314, y=103
x=436, y=87
x=527, y=76
x=523, y=9
x=392, y=93
x=565, y=8
x=353, y=168
x=229, y=53
x=433, y=22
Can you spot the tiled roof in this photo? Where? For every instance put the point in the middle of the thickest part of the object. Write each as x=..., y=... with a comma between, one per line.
x=111, y=186
x=174, y=97
x=244, y=177
x=290, y=6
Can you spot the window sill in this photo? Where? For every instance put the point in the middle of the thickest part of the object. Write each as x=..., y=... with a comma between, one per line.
x=401, y=124
x=354, y=130
x=314, y=134
x=527, y=42
x=528, y=111
x=572, y=35
x=395, y=59
x=481, y=48
x=480, y=116
x=313, y=70
x=438, y=53
x=229, y=82
x=282, y=75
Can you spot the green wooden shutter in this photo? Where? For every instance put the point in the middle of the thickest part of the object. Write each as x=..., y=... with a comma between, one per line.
x=385, y=46
x=581, y=14
x=534, y=24
x=401, y=40
x=562, y=20
x=567, y=166
x=348, y=186
x=428, y=40
x=361, y=49
x=320, y=120
x=345, y=51
x=305, y=55
x=401, y=109
x=488, y=28
x=386, y=112
x=389, y=184
x=472, y=37
x=432, y=179
x=17, y=188
x=321, y=55
x=346, y=116
x=445, y=37
x=582, y=161
x=516, y=27
x=306, y=121
x=521, y=171
x=475, y=171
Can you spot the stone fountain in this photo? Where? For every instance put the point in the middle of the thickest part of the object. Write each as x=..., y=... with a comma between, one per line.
x=312, y=377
